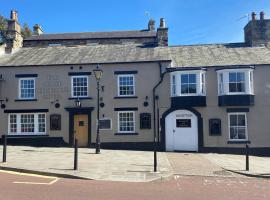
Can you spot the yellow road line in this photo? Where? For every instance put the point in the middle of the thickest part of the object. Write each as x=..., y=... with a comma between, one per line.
x=37, y=183
x=26, y=174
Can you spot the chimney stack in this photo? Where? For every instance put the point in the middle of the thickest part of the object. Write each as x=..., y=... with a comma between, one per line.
x=162, y=33
x=14, y=37
x=262, y=15
x=257, y=32
x=253, y=16
x=37, y=29
x=151, y=25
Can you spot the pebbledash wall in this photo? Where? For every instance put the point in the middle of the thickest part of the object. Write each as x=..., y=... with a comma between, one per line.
x=224, y=87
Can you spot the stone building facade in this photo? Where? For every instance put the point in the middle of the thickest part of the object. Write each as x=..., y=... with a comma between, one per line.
x=206, y=98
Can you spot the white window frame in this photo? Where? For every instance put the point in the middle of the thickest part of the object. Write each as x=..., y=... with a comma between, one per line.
x=249, y=81
x=118, y=121
x=18, y=120
x=118, y=85
x=72, y=88
x=19, y=86
x=246, y=126
x=200, y=87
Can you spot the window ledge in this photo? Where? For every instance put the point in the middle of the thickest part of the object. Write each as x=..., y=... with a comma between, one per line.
x=25, y=100
x=239, y=142
x=126, y=97
x=26, y=135
x=126, y=133
x=74, y=98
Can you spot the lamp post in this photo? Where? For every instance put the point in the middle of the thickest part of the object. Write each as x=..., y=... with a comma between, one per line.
x=78, y=105
x=98, y=74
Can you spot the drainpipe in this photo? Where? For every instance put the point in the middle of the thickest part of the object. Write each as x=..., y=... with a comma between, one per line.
x=154, y=109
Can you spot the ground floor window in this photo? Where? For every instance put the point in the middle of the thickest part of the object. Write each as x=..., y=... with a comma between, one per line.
x=238, y=126
x=126, y=122
x=27, y=123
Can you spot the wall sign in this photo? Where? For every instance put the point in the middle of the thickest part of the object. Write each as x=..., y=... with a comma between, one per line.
x=183, y=123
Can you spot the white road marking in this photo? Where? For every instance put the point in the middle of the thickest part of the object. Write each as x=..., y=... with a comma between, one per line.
x=37, y=183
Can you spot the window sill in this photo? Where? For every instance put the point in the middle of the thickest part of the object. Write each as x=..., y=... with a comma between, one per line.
x=126, y=97
x=74, y=98
x=238, y=142
x=126, y=133
x=25, y=100
x=26, y=135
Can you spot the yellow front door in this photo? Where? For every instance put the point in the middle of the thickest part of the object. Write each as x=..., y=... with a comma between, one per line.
x=81, y=129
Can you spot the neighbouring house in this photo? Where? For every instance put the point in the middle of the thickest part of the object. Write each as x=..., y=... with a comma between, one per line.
x=205, y=98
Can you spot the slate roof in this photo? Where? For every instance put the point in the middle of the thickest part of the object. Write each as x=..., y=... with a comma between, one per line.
x=93, y=35
x=181, y=56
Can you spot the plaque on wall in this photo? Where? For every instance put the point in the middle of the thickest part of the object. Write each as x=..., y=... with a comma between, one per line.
x=183, y=123
x=55, y=122
x=215, y=126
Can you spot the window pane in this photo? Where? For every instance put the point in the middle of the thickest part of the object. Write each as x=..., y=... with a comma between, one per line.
x=192, y=78
x=233, y=133
x=232, y=77
x=184, y=88
x=240, y=87
x=241, y=133
x=241, y=120
x=232, y=87
x=233, y=120
x=192, y=88
x=240, y=77
x=184, y=78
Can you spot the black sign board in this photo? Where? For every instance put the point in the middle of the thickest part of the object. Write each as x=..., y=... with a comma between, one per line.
x=186, y=123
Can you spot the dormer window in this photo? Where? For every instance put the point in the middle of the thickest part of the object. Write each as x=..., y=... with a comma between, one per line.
x=188, y=83
x=235, y=81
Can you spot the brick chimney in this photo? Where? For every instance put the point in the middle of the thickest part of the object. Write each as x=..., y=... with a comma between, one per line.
x=37, y=29
x=151, y=25
x=162, y=33
x=257, y=31
x=14, y=36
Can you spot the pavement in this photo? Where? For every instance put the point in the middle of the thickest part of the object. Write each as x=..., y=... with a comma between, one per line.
x=130, y=166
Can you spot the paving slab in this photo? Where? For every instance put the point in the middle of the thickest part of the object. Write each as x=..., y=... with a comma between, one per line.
x=258, y=166
x=196, y=164
x=113, y=165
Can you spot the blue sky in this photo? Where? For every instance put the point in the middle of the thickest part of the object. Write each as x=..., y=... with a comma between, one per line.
x=189, y=22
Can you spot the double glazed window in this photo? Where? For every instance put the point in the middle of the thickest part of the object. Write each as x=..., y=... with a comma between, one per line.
x=126, y=85
x=126, y=122
x=27, y=123
x=79, y=86
x=235, y=81
x=27, y=88
x=188, y=83
x=238, y=126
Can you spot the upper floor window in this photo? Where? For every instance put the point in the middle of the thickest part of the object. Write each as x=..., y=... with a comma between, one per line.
x=27, y=88
x=126, y=85
x=188, y=83
x=79, y=86
x=235, y=81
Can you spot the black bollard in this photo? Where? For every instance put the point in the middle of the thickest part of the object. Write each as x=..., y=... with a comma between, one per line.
x=155, y=156
x=4, y=141
x=247, y=157
x=76, y=155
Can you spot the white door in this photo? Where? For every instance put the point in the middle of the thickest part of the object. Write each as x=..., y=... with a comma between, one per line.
x=181, y=131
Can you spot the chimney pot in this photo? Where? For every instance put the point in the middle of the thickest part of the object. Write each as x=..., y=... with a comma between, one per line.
x=253, y=16
x=162, y=23
x=37, y=29
x=262, y=14
x=14, y=15
x=151, y=25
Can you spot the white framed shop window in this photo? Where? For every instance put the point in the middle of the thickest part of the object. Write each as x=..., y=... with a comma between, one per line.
x=188, y=83
x=27, y=124
x=237, y=126
x=235, y=81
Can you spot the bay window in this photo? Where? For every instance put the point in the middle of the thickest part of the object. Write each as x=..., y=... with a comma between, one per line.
x=188, y=83
x=27, y=124
x=235, y=81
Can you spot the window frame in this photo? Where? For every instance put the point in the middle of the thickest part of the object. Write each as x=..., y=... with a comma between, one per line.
x=19, y=86
x=248, y=78
x=87, y=85
x=246, y=126
x=200, y=85
x=104, y=129
x=118, y=122
x=118, y=85
x=18, y=124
